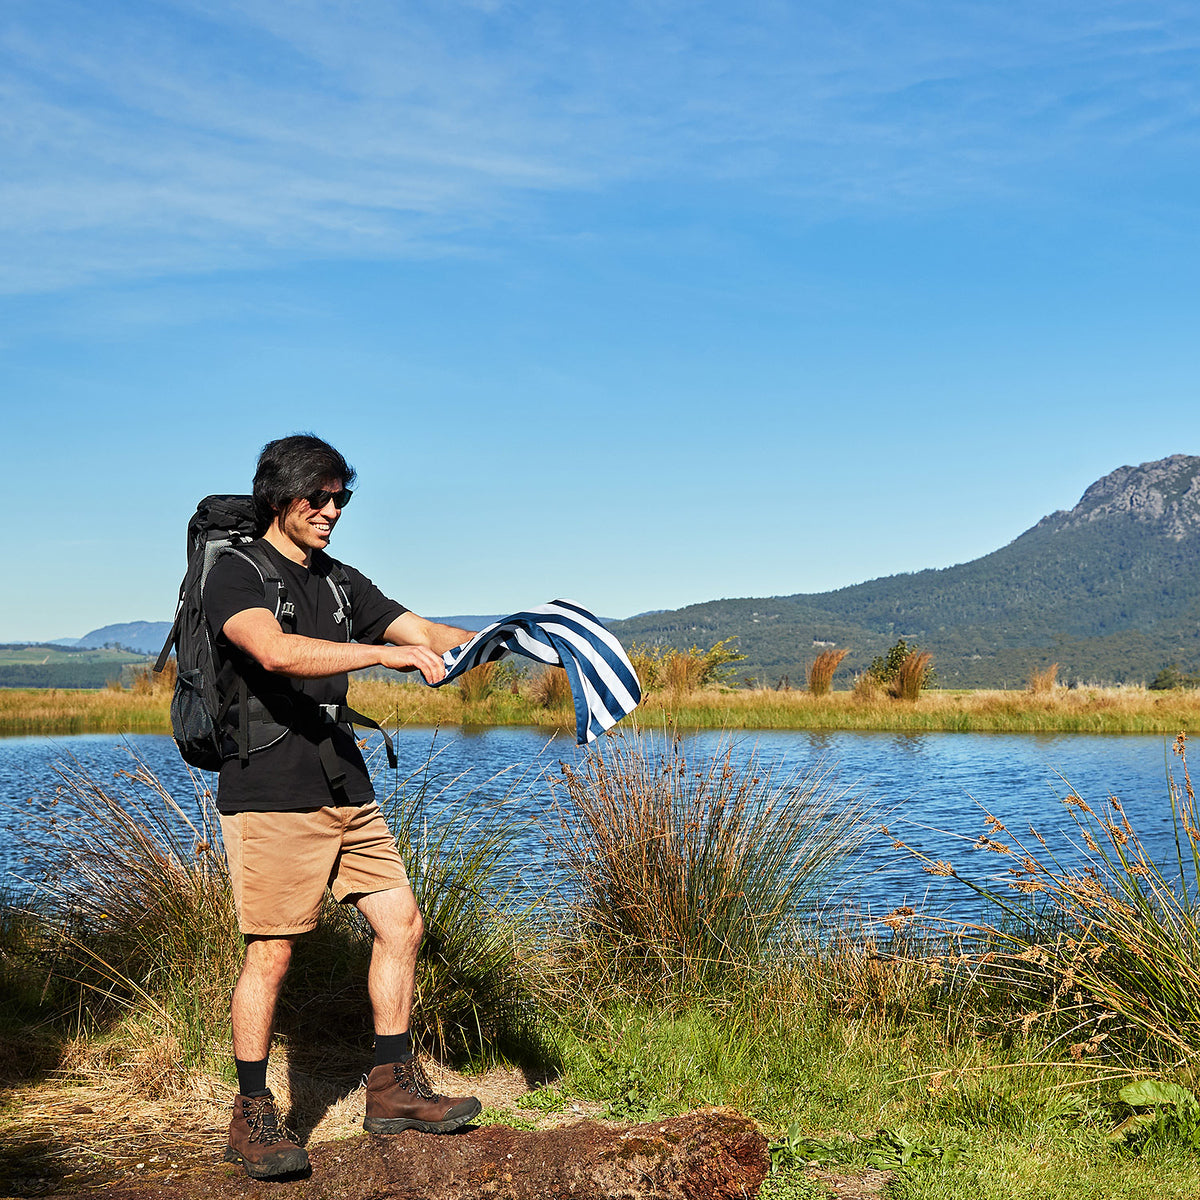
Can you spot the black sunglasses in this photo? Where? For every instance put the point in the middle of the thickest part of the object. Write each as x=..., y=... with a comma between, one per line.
x=318, y=499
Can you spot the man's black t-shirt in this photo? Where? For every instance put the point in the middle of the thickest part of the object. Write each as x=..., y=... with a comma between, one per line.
x=288, y=774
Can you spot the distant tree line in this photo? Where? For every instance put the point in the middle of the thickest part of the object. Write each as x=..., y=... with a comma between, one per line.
x=59, y=675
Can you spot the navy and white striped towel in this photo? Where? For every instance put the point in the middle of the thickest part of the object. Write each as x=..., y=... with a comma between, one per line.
x=603, y=682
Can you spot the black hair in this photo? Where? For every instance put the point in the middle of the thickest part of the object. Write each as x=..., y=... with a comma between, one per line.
x=291, y=467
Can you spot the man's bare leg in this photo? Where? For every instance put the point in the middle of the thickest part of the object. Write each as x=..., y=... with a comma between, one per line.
x=398, y=926
x=399, y=1096
x=257, y=1137
x=257, y=993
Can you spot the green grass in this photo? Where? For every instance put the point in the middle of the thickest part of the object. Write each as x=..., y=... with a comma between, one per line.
x=860, y=1094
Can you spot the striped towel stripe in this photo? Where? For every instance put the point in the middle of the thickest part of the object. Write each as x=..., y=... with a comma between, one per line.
x=604, y=685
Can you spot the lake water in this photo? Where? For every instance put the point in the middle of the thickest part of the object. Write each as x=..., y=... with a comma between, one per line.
x=931, y=790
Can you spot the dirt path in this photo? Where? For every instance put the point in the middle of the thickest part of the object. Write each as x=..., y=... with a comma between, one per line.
x=71, y=1140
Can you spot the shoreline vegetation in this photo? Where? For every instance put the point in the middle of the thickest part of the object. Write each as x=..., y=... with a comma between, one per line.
x=685, y=960
x=1116, y=710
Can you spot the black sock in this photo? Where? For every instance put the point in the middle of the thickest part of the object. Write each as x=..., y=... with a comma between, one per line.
x=252, y=1077
x=392, y=1048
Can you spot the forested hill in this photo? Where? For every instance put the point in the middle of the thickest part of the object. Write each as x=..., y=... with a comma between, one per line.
x=1109, y=589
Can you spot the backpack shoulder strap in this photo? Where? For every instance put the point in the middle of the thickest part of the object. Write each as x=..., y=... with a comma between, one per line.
x=256, y=555
x=338, y=579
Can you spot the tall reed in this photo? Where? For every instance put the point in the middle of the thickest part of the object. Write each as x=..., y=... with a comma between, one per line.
x=681, y=673
x=820, y=674
x=481, y=930
x=136, y=932
x=136, y=900
x=912, y=675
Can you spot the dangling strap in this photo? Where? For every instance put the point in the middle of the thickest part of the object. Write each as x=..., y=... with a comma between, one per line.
x=343, y=714
x=169, y=644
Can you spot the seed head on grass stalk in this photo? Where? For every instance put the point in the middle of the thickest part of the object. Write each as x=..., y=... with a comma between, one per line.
x=688, y=869
x=1108, y=937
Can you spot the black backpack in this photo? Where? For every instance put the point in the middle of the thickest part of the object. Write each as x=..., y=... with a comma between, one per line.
x=211, y=702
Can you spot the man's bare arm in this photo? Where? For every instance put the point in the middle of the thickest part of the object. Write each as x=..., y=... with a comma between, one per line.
x=257, y=633
x=408, y=629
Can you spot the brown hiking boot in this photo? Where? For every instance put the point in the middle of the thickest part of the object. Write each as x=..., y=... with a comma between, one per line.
x=400, y=1097
x=261, y=1142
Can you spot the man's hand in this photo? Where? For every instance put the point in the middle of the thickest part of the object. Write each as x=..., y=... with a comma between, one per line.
x=414, y=658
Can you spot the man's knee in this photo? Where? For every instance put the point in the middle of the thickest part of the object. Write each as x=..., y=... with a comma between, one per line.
x=267, y=959
x=393, y=915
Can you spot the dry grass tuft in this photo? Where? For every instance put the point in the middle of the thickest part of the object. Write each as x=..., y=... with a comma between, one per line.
x=911, y=676
x=688, y=871
x=1042, y=683
x=681, y=673
x=820, y=674
x=550, y=688
x=478, y=683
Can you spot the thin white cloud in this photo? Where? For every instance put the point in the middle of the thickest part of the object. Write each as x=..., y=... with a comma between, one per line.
x=150, y=138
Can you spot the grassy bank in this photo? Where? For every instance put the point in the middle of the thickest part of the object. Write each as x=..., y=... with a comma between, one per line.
x=681, y=965
x=1076, y=710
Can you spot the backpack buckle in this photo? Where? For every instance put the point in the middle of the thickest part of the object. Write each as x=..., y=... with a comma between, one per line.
x=288, y=610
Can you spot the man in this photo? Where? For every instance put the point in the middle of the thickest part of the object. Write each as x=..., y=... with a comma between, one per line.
x=297, y=807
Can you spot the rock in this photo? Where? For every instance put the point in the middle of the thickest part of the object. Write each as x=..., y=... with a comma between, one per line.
x=1165, y=494
x=702, y=1156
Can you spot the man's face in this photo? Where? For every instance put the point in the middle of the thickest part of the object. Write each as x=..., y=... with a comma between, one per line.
x=308, y=527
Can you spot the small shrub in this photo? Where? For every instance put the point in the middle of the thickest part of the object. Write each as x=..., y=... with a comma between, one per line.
x=820, y=674
x=1171, y=677
x=904, y=671
x=885, y=667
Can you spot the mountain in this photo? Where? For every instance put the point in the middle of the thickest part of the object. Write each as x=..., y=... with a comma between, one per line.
x=1109, y=589
x=146, y=637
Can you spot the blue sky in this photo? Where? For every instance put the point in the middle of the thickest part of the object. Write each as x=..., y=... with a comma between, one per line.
x=637, y=303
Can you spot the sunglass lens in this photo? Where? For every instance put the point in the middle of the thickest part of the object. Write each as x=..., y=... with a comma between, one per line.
x=319, y=499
